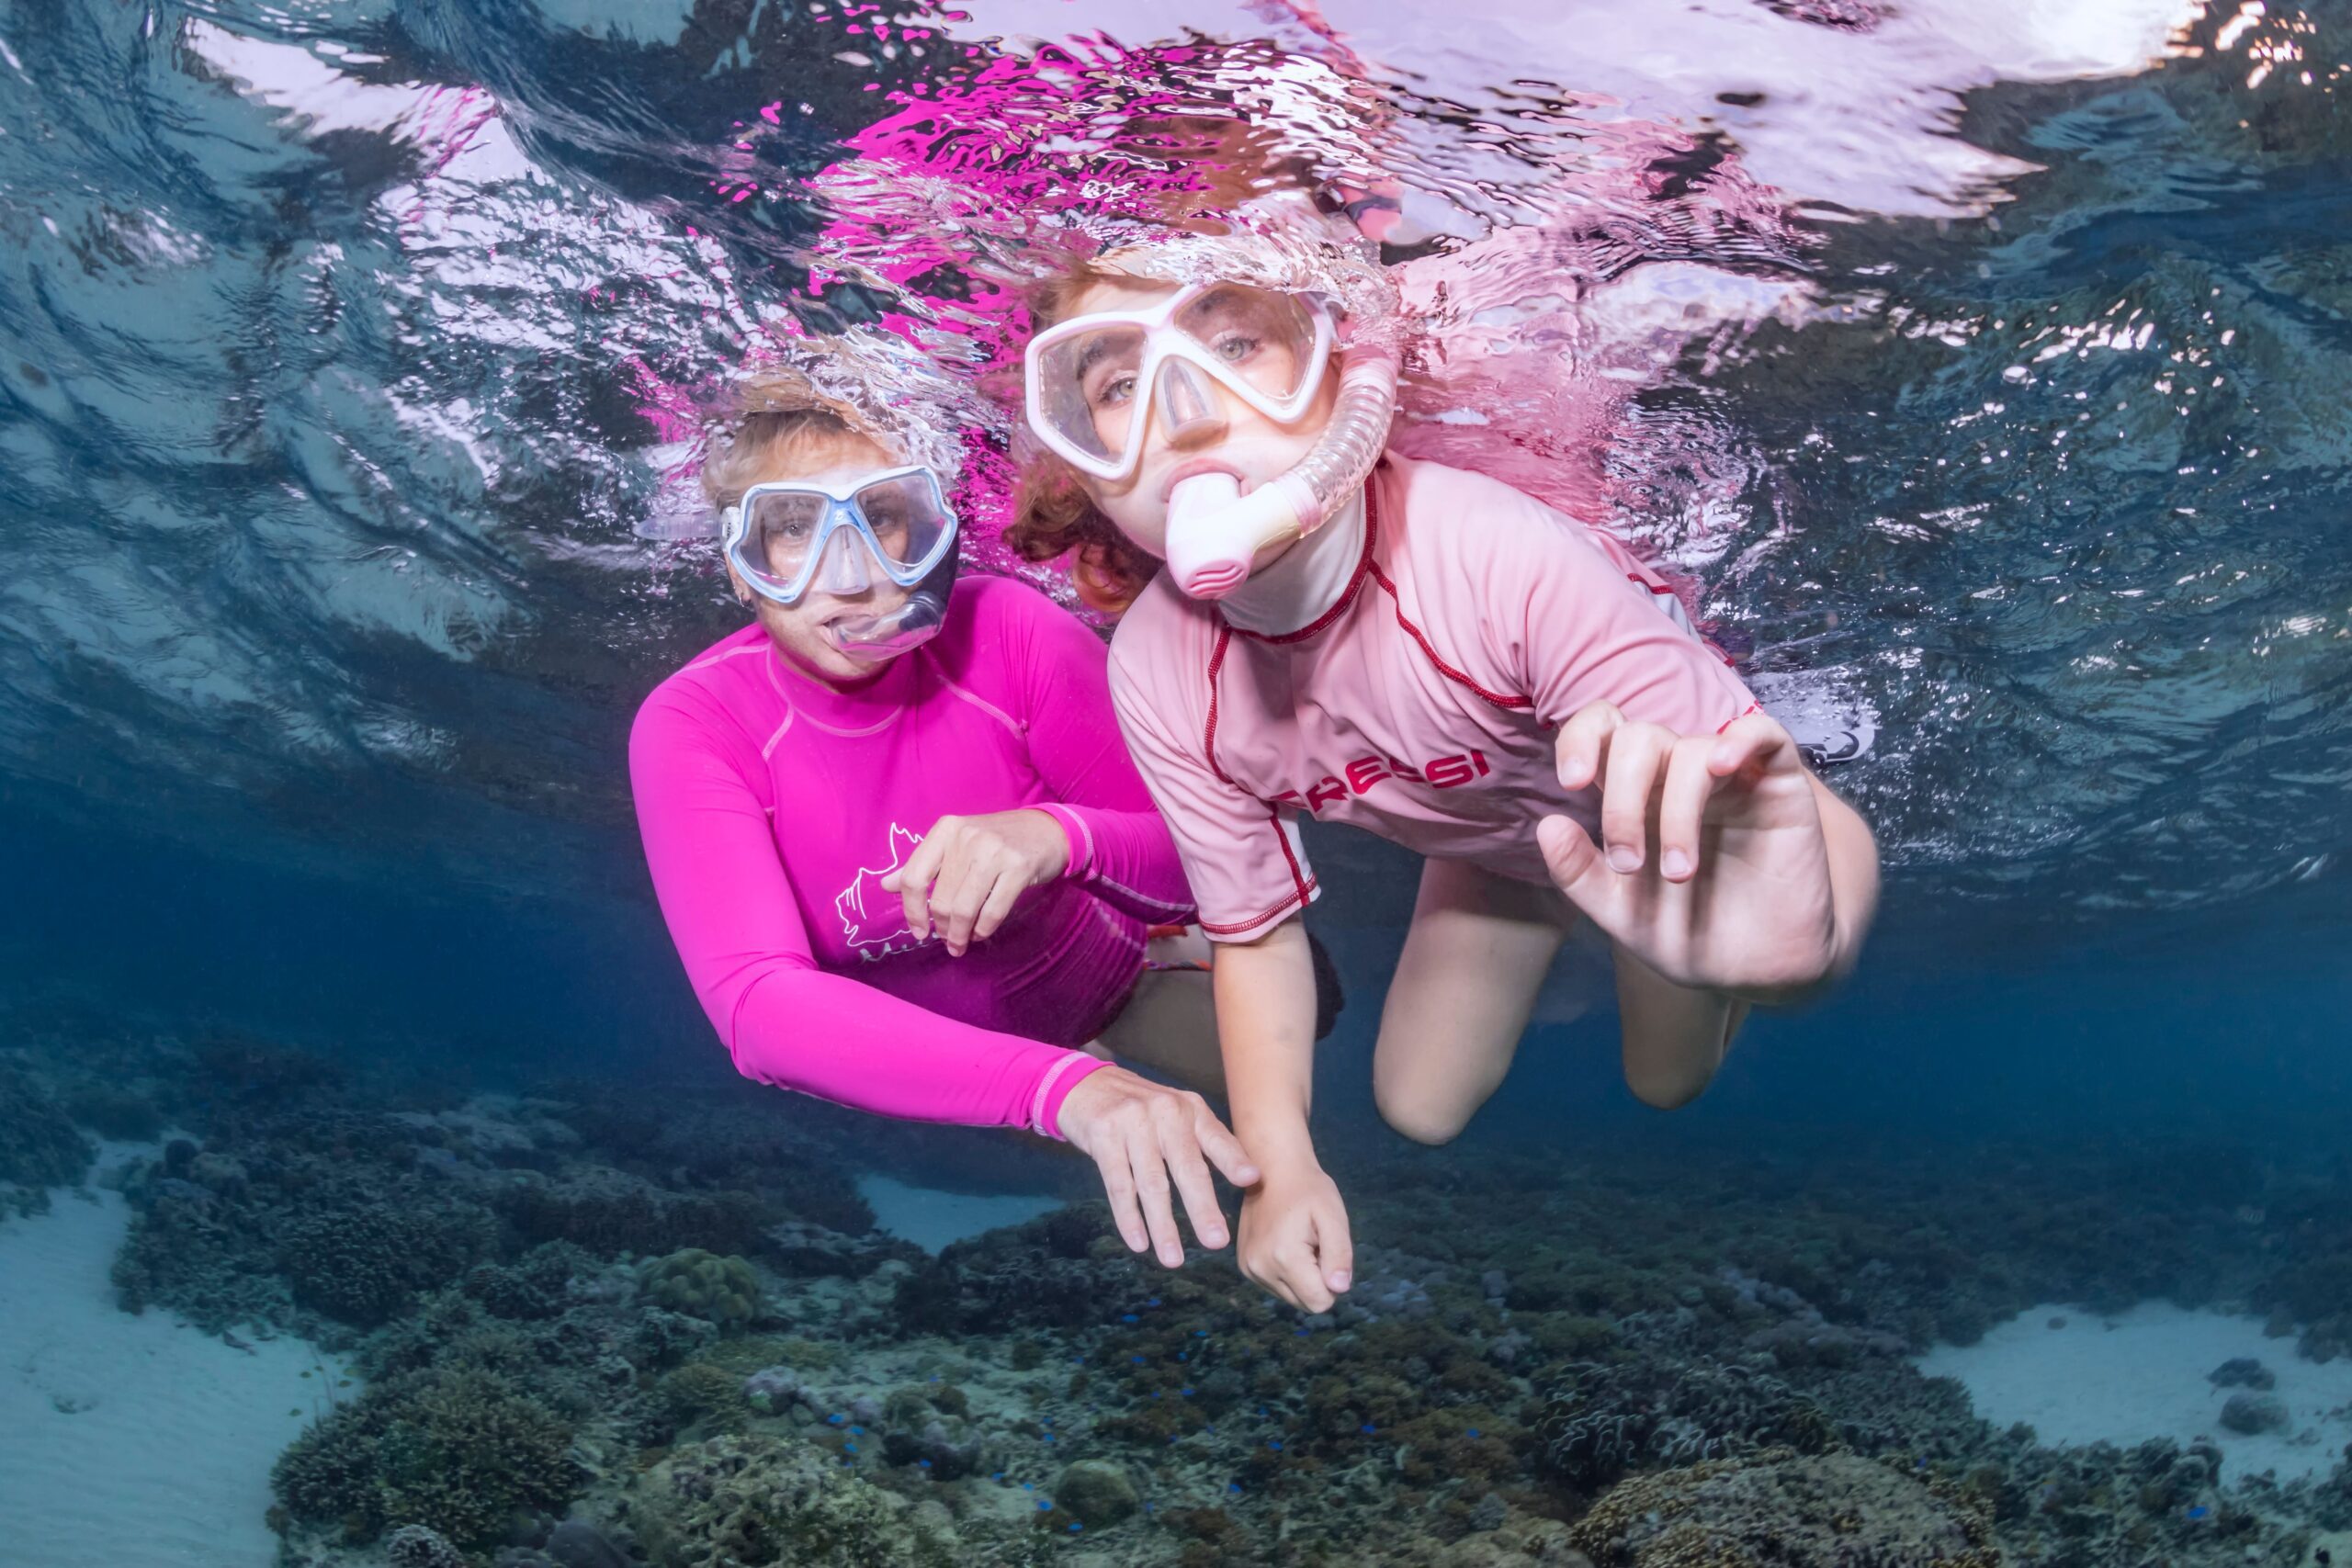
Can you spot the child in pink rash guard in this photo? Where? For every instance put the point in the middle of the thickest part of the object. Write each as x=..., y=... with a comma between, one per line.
x=768, y=840
x=1429, y=655
x=1423, y=705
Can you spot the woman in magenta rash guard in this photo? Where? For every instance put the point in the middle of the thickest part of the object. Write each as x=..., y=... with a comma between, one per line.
x=897, y=838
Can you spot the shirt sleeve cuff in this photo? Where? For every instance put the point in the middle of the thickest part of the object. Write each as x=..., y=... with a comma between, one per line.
x=1045, y=1104
x=1081, y=839
x=1250, y=928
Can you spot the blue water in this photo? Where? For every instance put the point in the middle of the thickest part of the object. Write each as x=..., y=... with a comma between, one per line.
x=326, y=606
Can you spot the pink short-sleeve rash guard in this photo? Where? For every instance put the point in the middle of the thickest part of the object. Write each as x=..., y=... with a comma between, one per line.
x=772, y=806
x=1423, y=707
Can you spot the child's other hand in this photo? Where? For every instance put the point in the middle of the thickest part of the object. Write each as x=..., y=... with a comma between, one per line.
x=1294, y=1237
x=1716, y=872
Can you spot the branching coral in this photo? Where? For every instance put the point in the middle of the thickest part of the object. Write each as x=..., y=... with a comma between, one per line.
x=1602, y=1420
x=1783, y=1510
x=456, y=1451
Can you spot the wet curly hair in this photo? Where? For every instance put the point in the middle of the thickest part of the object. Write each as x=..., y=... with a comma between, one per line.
x=1052, y=515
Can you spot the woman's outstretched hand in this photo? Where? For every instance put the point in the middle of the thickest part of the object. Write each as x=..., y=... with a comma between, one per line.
x=1148, y=1138
x=1714, y=868
x=965, y=875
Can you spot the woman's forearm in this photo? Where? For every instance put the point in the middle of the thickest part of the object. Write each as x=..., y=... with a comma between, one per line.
x=1265, y=1019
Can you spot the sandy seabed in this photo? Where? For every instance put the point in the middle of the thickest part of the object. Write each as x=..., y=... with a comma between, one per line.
x=131, y=1442
x=2125, y=1377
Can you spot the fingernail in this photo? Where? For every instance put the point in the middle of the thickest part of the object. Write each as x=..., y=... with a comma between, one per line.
x=1338, y=1279
x=1624, y=858
x=1676, y=864
x=1212, y=1238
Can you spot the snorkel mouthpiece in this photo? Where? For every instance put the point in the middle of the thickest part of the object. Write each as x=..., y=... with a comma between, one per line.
x=1215, y=532
x=877, y=639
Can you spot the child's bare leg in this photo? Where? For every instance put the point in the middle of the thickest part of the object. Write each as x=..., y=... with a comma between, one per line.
x=1169, y=1023
x=1474, y=960
x=1675, y=1038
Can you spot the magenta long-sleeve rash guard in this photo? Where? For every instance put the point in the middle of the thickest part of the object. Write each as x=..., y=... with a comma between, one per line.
x=772, y=807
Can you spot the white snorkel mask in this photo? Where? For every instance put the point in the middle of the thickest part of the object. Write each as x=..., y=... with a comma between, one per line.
x=1094, y=383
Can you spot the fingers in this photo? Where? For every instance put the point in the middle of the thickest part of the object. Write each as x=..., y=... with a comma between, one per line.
x=1180, y=1143
x=1224, y=1150
x=1691, y=779
x=1119, y=1185
x=997, y=906
x=1583, y=746
x=1753, y=741
x=1636, y=753
x=911, y=882
x=1335, y=1245
x=1569, y=853
x=1151, y=1192
x=955, y=899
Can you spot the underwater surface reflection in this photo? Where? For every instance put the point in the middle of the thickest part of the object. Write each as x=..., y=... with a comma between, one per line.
x=371, y=1191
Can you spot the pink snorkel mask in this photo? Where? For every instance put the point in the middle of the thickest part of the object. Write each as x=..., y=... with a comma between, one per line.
x=1094, y=384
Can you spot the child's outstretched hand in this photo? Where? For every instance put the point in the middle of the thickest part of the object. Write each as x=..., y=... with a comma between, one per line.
x=1295, y=1237
x=1712, y=868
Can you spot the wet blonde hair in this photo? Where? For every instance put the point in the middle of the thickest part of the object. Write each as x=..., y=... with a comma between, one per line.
x=776, y=416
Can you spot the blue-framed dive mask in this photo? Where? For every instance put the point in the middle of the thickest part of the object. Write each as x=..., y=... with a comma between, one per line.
x=790, y=539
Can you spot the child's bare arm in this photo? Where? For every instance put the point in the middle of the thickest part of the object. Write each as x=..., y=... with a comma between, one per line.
x=1293, y=1228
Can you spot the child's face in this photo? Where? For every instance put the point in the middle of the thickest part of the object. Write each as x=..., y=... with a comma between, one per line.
x=1236, y=439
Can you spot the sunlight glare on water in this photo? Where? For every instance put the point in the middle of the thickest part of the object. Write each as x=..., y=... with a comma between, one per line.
x=353, y=361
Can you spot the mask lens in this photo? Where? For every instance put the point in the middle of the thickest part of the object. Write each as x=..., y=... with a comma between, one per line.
x=779, y=532
x=906, y=517
x=1264, y=337
x=1089, y=387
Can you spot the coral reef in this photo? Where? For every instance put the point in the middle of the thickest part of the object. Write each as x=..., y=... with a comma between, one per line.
x=459, y=1452
x=1095, y=1492
x=753, y=1501
x=38, y=1147
x=725, y=1291
x=361, y=1260
x=567, y=1314
x=1783, y=1510
x=1601, y=1421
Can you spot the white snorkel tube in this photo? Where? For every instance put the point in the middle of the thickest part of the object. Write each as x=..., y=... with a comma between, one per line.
x=1215, y=533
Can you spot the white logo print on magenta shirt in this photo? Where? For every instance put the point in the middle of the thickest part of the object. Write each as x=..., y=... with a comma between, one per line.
x=873, y=919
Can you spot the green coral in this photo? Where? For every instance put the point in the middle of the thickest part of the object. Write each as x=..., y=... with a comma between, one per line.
x=753, y=1502
x=457, y=1452
x=723, y=1291
x=1095, y=1492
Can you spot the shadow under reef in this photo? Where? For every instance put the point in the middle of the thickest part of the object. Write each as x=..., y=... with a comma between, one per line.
x=594, y=1328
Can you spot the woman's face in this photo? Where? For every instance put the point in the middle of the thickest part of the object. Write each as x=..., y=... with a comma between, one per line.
x=804, y=633
x=1237, y=440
